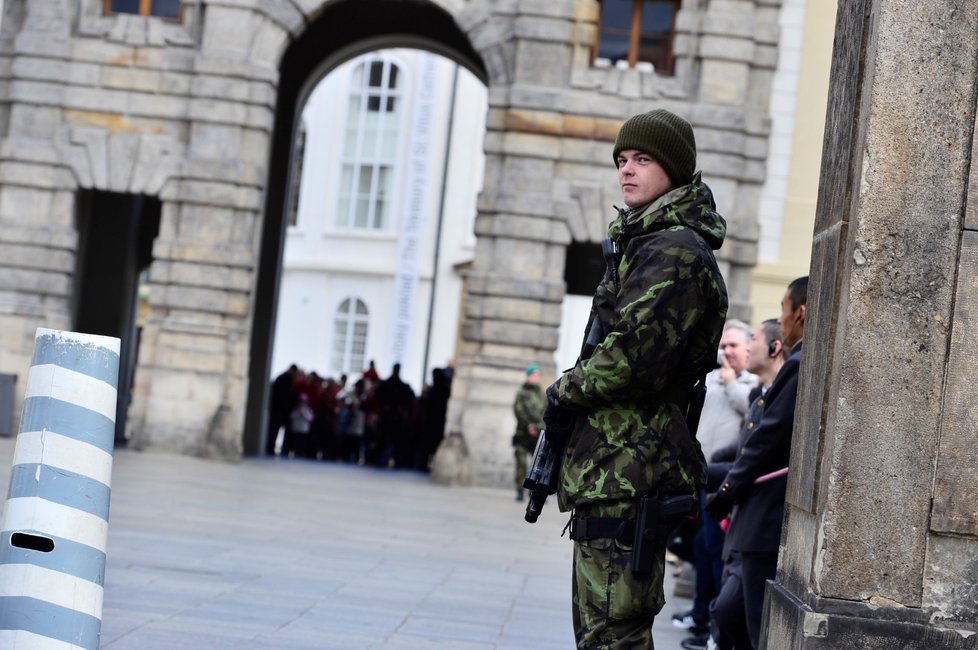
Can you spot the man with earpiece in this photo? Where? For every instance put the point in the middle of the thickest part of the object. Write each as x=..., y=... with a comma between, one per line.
x=756, y=481
x=728, y=389
x=766, y=355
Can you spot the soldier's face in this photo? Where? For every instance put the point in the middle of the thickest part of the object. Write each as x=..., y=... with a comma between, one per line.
x=641, y=177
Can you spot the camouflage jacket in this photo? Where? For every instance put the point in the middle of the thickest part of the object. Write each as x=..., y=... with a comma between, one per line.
x=528, y=407
x=662, y=315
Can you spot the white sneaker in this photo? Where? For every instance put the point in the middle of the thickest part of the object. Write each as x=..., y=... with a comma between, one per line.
x=683, y=621
x=711, y=644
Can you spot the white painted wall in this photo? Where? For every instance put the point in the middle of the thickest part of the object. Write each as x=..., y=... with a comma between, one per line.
x=783, y=105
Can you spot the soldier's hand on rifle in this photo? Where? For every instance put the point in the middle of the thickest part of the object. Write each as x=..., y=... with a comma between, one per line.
x=558, y=420
x=550, y=413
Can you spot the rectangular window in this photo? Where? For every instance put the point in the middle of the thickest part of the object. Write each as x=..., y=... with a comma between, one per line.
x=168, y=9
x=638, y=30
x=359, y=347
x=370, y=145
x=339, y=344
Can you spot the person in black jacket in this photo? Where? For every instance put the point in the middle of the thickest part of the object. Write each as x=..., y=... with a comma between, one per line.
x=760, y=512
x=766, y=356
x=280, y=407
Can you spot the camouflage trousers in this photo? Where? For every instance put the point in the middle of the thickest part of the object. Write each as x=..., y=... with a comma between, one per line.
x=613, y=607
x=523, y=458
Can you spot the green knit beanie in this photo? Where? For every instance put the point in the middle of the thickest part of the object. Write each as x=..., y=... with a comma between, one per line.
x=666, y=137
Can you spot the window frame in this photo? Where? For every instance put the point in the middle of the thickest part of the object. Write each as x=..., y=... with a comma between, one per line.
x=635, y=35
x=298, y=156
x=348, y=190
x=145, y=9
x=351, y=317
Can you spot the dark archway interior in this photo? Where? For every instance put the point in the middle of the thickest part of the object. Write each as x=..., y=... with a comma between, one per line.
x=115, y=244
x=584, y=267
x=344, y=29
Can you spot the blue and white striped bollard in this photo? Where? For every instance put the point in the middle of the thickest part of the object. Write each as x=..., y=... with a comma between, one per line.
x=55, y=522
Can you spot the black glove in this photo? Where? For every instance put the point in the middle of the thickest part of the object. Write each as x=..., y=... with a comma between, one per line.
x=719, y=506
x=558, y=420
x=550, y=413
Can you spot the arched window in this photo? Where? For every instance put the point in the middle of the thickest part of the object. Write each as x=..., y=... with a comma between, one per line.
x=350, y=336
x=370, y=144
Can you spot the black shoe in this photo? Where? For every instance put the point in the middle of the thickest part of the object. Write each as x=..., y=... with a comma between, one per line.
x=697, y=642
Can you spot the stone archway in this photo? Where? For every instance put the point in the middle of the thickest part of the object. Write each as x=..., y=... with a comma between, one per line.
x=305, y=62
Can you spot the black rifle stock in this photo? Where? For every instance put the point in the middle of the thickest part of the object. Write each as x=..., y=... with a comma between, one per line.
x=541, y=478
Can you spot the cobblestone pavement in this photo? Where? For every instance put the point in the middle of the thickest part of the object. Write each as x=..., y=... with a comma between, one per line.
x=272, y=554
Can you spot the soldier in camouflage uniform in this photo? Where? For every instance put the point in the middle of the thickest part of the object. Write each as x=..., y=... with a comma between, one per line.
x=528, y=407
x=655, y=326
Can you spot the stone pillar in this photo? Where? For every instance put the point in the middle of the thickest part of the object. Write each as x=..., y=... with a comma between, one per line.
x=514, y=288
x=192, y=380
x=881, y=530
x=38, y=238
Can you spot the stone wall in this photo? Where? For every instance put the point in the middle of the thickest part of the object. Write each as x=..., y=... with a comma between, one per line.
x=186, y=112
x=550, y=180
x=881, y=535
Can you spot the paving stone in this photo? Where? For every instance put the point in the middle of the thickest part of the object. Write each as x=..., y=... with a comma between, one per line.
x=295, y=555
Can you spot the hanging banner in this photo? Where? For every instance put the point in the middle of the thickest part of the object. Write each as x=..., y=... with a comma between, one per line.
x=412, y=221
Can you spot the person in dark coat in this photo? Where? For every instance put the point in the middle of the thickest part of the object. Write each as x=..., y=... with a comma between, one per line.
x=435, y=414
x=394, y=399
x=757, y=533
x=766, y=356
x=280, y=407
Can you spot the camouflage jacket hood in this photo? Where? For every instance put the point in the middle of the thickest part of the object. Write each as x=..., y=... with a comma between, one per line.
x=661, y=306
x=691, y=206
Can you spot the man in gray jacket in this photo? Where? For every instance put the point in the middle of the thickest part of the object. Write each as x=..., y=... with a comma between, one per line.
x=727, y=390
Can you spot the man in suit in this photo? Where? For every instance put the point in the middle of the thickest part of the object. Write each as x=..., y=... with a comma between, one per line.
x=757, y=534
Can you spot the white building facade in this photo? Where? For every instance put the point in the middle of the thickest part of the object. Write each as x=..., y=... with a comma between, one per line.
x=389, y=153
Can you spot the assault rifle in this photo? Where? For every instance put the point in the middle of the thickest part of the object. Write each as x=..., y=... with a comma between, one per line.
x=541, y=478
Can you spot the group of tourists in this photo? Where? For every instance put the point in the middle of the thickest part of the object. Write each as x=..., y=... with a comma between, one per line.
x=372, y=421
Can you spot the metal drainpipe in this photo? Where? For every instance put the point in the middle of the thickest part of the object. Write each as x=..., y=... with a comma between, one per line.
x=441, y=218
